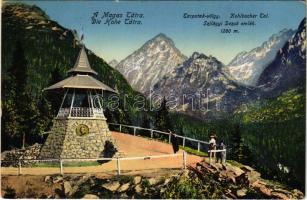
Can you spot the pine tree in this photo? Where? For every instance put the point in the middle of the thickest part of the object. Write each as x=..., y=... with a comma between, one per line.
x=240, y=151
x=162, y=121
x=13, y=96
x=145, y=124
x=9, y=120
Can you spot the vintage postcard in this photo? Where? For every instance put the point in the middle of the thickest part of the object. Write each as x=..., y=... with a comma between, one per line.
x=153, y=99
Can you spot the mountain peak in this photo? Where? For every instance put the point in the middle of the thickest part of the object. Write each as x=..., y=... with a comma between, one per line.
x=153, y=60
x=25, y=12
x=162, y=36
x=196, y=55
x=302, y=25
x=113, y=63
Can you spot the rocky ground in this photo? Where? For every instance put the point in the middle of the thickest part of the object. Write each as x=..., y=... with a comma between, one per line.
x=200, y=181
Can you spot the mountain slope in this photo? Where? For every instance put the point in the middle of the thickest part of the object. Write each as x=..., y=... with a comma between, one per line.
x=288, y=69
x=201, y=88
x=247, y=67
x=147, y=65
x=274, y=129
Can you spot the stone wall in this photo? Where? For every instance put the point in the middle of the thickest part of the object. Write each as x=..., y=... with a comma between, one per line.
x=64, y=142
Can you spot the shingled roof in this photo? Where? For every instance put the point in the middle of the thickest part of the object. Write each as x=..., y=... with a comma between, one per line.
x=82, y=78
x=81, y=82
x=82, y=65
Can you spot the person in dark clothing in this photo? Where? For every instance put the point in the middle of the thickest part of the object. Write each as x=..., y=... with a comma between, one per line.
x=174, y=142
x=220, y=155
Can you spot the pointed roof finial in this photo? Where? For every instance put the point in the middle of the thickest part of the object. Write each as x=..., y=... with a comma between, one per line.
x=82, y=64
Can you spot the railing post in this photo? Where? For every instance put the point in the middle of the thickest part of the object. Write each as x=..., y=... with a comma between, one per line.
x=120, y=128
x=183, y=142
x=134, y=131
x=184, y=160
x=198, y=146
x=169, y=138
x=118, y=166
x=19, y=167
x=61, y=167
x=151, y=133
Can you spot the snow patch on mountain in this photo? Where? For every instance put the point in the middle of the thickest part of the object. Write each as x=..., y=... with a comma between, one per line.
x=247, y=67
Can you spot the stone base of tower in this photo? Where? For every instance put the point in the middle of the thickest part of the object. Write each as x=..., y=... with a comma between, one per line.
x=79, y=138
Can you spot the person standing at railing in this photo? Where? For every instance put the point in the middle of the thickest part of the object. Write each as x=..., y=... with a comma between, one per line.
x=174, y=141
x=221, y=154
x=212, y=145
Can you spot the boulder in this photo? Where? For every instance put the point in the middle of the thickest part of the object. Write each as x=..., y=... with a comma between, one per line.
x=247, y=168
x=124, y=196
x=162, y=190
x=253, y=176
x=112, y=186
x=138, y=189
x=67, y=188
x=261, y=186
x=279, y=190
x=236, y=170
x=152, y=181
x=90, y=196
x=59, y=194
x=166, y=181
x=57, y=179
x=137, y=180
x=296, y=194
x=218, y=166
x=242, y=179
x=231, y=176
x=279, y=195
x=230, y=195
x=48, y=179
x=241, y=193
x=124, y=187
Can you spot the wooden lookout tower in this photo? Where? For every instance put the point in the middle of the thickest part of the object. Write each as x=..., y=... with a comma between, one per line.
x=79, y=129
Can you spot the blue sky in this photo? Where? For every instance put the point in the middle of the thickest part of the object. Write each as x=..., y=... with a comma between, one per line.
x=118, y=41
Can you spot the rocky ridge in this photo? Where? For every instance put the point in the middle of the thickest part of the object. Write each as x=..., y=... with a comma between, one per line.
x=247, y=67
x=288, y=69
x=200, y=88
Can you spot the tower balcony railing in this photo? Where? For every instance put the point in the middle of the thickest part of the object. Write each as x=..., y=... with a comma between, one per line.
x=81, y=112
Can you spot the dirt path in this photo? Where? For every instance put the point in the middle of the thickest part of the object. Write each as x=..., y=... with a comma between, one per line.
x=132, y=146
